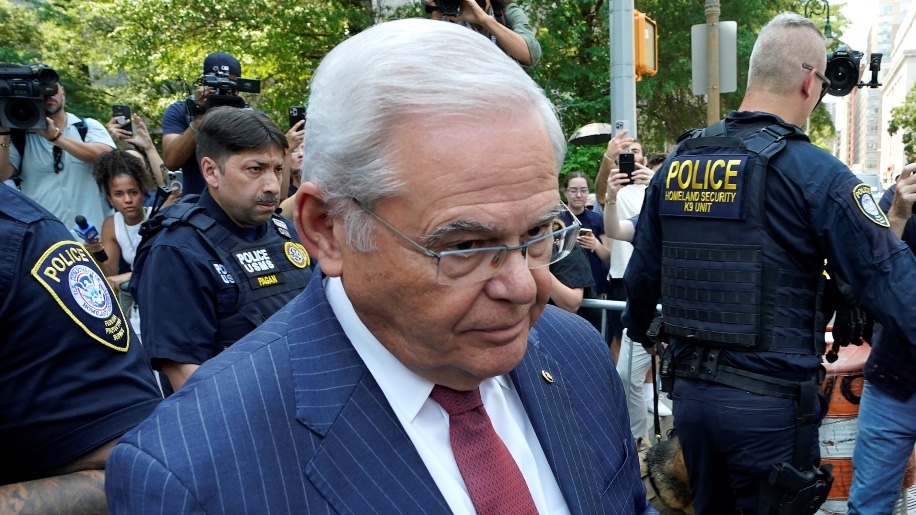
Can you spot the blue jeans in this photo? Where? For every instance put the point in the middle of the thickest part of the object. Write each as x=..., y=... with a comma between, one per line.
x=886, y=435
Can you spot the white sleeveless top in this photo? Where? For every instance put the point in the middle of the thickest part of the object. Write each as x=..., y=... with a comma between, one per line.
x=128, y=236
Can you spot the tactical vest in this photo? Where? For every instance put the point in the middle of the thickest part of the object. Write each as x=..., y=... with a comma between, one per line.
x=267, y=273
x=726, y=282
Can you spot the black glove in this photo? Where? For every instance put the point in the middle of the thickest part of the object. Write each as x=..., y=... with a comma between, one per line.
x=849, y=323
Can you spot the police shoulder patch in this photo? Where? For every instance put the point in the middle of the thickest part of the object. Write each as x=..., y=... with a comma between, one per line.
x=296, y=254
x=868, y=206
x=80, y=289
x=282, y=228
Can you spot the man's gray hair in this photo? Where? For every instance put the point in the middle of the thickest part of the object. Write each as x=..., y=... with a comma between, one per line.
x=374, y=83
x=787, y=41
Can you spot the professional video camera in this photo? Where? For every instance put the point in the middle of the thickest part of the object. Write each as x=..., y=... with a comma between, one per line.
x=226, y=93
x=843, y=71
x=22, y=92
x=450, y=7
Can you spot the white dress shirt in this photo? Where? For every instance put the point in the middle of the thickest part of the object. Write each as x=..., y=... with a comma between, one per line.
x=426, y=423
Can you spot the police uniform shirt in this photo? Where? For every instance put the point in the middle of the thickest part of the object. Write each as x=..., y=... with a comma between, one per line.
x=815, y=209
x=72, y=374
x=181, y=286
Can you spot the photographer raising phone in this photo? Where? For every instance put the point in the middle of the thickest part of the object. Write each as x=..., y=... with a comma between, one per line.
x=504, y=22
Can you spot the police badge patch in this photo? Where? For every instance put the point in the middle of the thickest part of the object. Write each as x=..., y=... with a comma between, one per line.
x=868, y=206
x=296, y=254
x=78, y=285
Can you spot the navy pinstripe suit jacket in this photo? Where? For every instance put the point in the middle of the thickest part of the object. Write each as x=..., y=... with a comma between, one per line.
x=289, y=420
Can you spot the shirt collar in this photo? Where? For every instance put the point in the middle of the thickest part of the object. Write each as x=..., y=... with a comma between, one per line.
x=405, y=390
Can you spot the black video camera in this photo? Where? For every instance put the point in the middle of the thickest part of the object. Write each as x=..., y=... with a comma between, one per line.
x=226, y=93
x=451, y=7
x=22, y=92
x=843, y=71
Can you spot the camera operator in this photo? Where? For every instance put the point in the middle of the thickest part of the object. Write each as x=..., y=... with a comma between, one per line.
x=886, y=429
x=179, y=137
x=55, y=164
x=505, y=23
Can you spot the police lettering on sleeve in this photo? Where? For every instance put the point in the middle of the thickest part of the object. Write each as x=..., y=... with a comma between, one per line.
x=71, y=376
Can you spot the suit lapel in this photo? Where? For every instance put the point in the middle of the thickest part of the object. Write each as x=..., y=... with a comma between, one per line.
x=552, y=415
x=364, y=461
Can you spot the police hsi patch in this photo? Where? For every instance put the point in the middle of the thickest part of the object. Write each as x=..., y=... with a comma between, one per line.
x=296, y=254
x=868, y=206
x=79, y=287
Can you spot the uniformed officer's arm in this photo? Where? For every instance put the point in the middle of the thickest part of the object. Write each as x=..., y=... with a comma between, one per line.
x=6, y=168
x=642, y=279
x=904, y=196
x=77, y=487
x=178, y=373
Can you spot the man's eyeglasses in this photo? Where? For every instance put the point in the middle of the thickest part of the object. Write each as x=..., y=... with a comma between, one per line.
x=825, y=82
x=464, y=267
x=58, y=159
x=572, y=192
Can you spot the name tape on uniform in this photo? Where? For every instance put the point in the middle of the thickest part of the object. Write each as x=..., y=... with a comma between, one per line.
x=79, y=287
x=708, y=186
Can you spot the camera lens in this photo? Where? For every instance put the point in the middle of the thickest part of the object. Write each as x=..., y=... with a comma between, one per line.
x=22, y=113
x=843, y=75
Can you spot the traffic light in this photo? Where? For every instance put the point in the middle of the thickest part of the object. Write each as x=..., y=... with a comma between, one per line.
x=645, y=35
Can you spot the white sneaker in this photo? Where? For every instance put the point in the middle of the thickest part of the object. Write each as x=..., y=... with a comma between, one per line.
x=663, y=409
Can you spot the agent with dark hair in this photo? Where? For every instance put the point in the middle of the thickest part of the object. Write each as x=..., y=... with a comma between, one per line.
x=217, y=266
x=503, y=22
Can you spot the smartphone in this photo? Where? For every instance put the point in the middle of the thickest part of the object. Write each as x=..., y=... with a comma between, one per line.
x=296, y=114
x=627, y=165
x=176, y=180
x=583, y=230
x=122, y=113
x=623, y=125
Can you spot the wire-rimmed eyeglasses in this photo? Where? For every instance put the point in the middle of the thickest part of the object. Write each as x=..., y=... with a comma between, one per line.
x=463, y=267
x=825, y=82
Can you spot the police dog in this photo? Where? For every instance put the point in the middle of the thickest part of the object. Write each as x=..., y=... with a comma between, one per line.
x=665, y=476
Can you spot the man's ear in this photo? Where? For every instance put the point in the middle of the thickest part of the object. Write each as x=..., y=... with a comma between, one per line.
x=210, y=170
x=316, y=230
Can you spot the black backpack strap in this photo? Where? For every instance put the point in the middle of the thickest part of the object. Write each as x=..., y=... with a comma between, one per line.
x=82, y=127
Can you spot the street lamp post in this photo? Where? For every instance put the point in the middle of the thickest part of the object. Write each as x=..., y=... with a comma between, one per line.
x=817, y=8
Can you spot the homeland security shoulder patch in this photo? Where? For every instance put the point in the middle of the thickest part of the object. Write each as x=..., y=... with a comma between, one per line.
x=868, y=206
x=79, y=287
x=296, y=254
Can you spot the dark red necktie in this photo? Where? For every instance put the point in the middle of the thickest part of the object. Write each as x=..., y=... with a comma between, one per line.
x=494, y=481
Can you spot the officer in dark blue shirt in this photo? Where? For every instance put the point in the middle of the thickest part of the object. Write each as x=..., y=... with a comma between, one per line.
x=209, y=272
x=887, y=410
x=732, y=239
x=73, y=376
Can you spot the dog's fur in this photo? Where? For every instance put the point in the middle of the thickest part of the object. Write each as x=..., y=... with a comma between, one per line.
x=665, y=476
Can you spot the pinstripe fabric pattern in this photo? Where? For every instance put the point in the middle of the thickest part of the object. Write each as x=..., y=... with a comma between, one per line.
x=289, y=420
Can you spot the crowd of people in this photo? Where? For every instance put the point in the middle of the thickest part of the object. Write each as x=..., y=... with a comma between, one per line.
x=385, y=327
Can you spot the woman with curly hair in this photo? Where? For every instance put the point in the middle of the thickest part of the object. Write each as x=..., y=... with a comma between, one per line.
x=124, y=179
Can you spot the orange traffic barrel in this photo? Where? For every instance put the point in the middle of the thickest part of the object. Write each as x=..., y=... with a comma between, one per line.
x=843, y=389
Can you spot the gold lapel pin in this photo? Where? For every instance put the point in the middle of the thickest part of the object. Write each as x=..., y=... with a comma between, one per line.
x=547, y=376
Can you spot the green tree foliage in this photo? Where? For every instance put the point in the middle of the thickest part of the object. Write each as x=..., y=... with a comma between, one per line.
x=134, y=51
x=903, y=119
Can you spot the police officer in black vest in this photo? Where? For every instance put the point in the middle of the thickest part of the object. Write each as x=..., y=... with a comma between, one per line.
x=733, y=237
x=211, y=270
x=73, y=376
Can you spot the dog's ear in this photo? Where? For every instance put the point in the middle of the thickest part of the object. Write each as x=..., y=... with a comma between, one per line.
x=668, y=475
